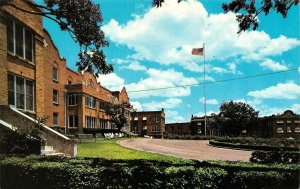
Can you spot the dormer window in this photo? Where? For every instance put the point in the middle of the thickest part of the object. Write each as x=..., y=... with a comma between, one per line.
x=20, y=40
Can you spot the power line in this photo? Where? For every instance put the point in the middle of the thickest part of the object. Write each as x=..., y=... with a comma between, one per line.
x=213, y=82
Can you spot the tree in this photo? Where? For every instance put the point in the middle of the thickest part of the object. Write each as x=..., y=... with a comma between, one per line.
x=248, y=10
x=83, y=20
x=117, y=113
x=234, y=117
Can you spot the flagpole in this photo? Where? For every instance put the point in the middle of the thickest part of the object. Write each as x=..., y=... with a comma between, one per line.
x=204, y=90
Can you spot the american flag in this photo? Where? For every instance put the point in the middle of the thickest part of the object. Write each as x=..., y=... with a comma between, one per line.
x=198, y=51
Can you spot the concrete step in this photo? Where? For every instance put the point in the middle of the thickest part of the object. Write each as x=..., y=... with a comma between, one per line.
x=55, y=154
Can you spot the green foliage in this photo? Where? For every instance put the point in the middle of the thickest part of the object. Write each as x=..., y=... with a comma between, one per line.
x=60, y=172
x=257, y=143
x=275, y=157
x=188, y=137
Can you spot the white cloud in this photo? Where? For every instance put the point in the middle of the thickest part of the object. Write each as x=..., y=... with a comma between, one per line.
x=158, y=79
x=111, y=81
x=266, y=110
x=208, y=101
x=174, y=117
x=166, y=104
x=272, y=65
x=135, y=66
x=289, y=90
x=136, y=105
x=167, y=35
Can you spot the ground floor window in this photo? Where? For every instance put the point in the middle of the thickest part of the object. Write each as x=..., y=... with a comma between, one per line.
x=155, y=128
x=73, y=121
x=103, y=123
x=20, y=92
x=90, y=122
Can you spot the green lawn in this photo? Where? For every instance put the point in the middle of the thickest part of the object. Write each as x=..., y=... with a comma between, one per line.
x=109, y=149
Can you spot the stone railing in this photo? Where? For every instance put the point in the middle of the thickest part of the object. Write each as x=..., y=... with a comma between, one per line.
x=60, y=142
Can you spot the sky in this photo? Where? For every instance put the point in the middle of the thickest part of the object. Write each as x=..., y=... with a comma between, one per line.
x=150, y=48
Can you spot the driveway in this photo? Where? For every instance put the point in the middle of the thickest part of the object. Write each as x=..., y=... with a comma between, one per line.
x=187, y=149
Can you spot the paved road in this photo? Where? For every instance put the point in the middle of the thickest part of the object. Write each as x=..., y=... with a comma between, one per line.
x=187, y=149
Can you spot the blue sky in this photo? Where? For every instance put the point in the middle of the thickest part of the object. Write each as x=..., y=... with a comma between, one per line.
x=151, y=48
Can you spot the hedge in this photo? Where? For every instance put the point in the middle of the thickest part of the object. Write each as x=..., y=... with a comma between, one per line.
x=251, y=147
x=58, y=172
x=275, y=157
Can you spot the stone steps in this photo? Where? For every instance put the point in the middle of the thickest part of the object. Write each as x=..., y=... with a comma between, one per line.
x=49, y=151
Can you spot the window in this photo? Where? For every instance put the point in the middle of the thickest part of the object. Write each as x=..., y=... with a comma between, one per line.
x=73, y=121
x=55, y=96
x=280, y=130
x=20, y=92
x=72, y=99
x=55, y=74
x=102, y=105
x=90, y=102
x=20, y=40
x=55, y=119
x=288, y=121
x=289, y=130
x=155, y=119
x=103, y=123
x=136, y=119
x=155, y=128
x=279, y=122
x=90, y=122
x=144, y=118
x=297, y=130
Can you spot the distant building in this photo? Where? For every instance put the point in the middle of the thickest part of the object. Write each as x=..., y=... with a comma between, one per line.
x=282, y=126
x=178, y=128
x=150, y=123
x=198, y=126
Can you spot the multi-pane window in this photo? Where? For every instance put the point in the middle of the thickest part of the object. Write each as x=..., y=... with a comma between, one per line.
x=20, y=92
x=55, y=74
x=20, y=40
x=155, y=128
x=90, y=102
x=103, y=123
x=73, y=121
x=55, y=96
x=55, y=119
x=155, y=119
x=72, y=99
x=90, y=122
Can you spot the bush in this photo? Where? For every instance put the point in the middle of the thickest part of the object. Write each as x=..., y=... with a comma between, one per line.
x=59, y=172
x=256, y=143
x=188, y=137
x=275, y=157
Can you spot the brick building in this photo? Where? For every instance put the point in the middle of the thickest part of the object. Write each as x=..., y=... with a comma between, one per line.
x=282, y=125
x=36, y=80
x=178, y=128
x=150, y=123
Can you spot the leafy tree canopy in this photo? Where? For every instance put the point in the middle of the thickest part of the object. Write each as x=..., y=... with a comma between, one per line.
x=83, y=20
x=248, y=10
x=235, y=117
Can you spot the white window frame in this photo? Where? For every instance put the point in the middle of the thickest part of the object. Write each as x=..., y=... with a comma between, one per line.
x=24, y=41
x=73, y=118
x=25, y=92
x=92, y=100
x=91, y=120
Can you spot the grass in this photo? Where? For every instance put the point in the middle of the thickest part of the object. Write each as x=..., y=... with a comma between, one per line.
x=109, y=149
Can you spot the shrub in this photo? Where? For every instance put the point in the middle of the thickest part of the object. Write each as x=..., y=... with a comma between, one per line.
x=59, y=172
x=275, y=157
